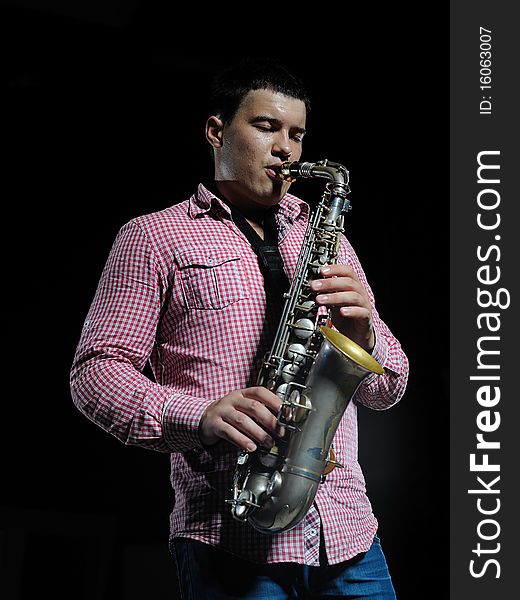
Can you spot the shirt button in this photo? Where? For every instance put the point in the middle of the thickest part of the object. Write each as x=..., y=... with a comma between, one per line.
x=313, y=531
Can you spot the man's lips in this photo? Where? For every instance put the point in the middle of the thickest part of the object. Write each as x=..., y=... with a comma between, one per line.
x=272, y=170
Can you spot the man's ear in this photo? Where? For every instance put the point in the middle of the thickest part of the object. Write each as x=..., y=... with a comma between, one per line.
x=214, y=130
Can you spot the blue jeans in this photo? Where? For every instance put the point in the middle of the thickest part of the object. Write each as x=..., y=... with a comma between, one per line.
x=205, y=572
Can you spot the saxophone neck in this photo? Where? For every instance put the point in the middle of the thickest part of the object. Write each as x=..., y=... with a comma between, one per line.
x=324, y=169
x=337, y=175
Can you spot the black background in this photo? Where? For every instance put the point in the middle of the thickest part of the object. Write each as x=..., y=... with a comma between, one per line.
x=105, y=121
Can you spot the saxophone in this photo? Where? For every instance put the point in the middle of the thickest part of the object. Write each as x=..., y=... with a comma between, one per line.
x=312, y=368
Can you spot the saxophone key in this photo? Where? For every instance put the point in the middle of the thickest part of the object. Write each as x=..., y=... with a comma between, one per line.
x=306, y=307
x=281, y=391
x=296, y=352
x=289, y=372
x=303, y=328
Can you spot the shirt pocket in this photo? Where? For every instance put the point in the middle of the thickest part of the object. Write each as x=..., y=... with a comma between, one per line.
x=212, y=278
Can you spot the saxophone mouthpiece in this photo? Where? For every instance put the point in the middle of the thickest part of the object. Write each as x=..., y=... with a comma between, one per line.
x=287, y=172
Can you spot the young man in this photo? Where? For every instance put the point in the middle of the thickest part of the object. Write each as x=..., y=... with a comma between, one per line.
x=183, y=289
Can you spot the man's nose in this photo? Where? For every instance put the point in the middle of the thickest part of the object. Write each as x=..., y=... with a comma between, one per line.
x=282, y=146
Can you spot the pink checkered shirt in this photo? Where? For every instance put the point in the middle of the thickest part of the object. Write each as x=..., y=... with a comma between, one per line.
x=182, y=288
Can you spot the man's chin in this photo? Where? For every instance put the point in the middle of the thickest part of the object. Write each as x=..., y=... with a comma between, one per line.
x=275, y=197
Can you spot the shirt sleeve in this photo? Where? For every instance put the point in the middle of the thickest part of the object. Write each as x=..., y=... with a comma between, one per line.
x=107, y=381
x=379, y=392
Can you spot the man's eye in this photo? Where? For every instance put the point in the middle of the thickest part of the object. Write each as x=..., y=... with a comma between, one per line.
x=264, y=127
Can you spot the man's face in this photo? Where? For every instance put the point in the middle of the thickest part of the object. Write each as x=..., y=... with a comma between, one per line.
x=267, y=129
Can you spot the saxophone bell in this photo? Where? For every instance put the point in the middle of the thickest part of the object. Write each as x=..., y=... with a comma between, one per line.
x=278, y=488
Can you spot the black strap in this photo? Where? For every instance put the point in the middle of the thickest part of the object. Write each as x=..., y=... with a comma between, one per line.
x=270, y=259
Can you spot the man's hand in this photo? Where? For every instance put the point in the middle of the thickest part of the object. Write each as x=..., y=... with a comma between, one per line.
x=242, y=417
x=351, y=308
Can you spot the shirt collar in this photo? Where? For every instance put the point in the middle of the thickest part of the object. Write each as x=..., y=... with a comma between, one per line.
x=291, y=207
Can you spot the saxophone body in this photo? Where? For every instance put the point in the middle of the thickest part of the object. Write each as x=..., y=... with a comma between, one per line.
x=312, y=368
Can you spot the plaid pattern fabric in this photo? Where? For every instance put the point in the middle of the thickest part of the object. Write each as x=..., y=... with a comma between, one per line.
x=182, y=289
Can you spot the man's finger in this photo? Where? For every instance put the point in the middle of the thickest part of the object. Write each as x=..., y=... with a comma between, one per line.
x=264, y=396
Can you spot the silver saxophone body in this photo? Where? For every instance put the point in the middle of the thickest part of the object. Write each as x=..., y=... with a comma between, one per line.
x=314, y=370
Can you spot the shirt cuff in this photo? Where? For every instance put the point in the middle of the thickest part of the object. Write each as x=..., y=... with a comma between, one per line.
x=379, y=353
x=180, y=421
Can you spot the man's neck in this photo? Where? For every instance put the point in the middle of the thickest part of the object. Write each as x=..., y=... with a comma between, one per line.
x=253, y=213
x=255, y=216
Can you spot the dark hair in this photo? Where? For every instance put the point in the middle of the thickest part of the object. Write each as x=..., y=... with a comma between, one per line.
x=231, y=85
